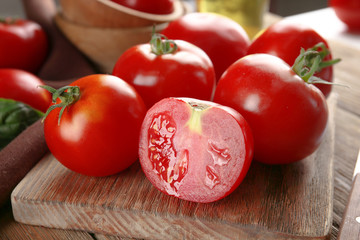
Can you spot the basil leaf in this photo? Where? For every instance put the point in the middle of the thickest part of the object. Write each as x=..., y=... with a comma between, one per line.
x=15, y=117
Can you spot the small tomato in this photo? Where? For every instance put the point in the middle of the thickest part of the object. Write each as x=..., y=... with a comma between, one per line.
x=23, y=44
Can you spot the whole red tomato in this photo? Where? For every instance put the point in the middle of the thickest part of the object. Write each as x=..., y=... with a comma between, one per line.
x=347, y=11
x=22, y=86
x=94, y=128
x=165, y=68
x=287, y=116
x=223, y=39
x=285, y=40
x=153, y=6
x=23, y=44
x=195, y=150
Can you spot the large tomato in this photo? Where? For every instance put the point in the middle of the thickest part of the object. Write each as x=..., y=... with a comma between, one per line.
x=287, y=116
x=195, y=150
x=347, y=11
x=153, y=6
x=23, y=44
x=165, y=68
x=22, y=86
x=97, y=132
x=223, y=39
x=285, y=40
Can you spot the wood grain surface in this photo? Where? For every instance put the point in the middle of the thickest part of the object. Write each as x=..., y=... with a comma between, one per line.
x=347, y=125
x=279, y=202
x=351, y=219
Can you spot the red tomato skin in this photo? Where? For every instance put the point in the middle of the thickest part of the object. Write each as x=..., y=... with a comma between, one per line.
x=22, y=86
x=23, y=45
x=285, y=40
x=186, y=73
x=222, y=39
x=287, y=117
x=347, y=11
x=98, y=134
x=191, y=186
x=153, y=7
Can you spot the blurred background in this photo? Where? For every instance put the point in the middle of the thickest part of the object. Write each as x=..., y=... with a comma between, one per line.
x=279, y=7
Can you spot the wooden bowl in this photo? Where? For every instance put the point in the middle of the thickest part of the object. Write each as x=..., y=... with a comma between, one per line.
x=108, y=14
x=103, y=46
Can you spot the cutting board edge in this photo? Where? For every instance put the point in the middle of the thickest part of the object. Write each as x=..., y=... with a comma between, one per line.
x=119, y=222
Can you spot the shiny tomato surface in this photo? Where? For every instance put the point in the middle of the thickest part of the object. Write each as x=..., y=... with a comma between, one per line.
x=187, y=72
x=287, y=116
x=347, y=11
x=23, y=44
x=222, y=39
x=195, y=150
x=285, y=40
x=22, y=86
x=153, y=6
x=98, y=134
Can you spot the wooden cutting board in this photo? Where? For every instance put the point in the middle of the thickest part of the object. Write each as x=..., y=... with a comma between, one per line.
x=273, y=202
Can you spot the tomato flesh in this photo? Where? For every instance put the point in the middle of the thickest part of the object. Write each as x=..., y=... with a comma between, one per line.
x=162, y=153
x=195, y=152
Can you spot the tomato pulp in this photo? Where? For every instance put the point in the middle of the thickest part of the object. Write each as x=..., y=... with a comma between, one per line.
x=195, y=150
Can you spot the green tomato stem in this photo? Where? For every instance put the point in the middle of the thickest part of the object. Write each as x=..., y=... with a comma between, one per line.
x=68, y=95
x=161, y=45
x=312, y=61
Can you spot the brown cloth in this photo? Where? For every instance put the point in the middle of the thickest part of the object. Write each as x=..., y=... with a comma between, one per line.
x=19, y=156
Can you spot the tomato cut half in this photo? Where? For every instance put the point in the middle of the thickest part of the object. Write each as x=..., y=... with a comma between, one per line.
x=195, y=150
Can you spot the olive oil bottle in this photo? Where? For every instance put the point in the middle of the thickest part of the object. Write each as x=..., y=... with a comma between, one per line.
x=248, y=13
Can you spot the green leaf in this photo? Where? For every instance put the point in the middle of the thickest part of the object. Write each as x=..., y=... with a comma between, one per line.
x=15, y=117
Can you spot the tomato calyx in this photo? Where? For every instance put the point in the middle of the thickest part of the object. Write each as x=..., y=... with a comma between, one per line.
x=161, y=45
x=312, y=61
x=68, y=95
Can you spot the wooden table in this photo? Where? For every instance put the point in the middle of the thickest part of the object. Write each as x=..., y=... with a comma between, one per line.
x=347, y=143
